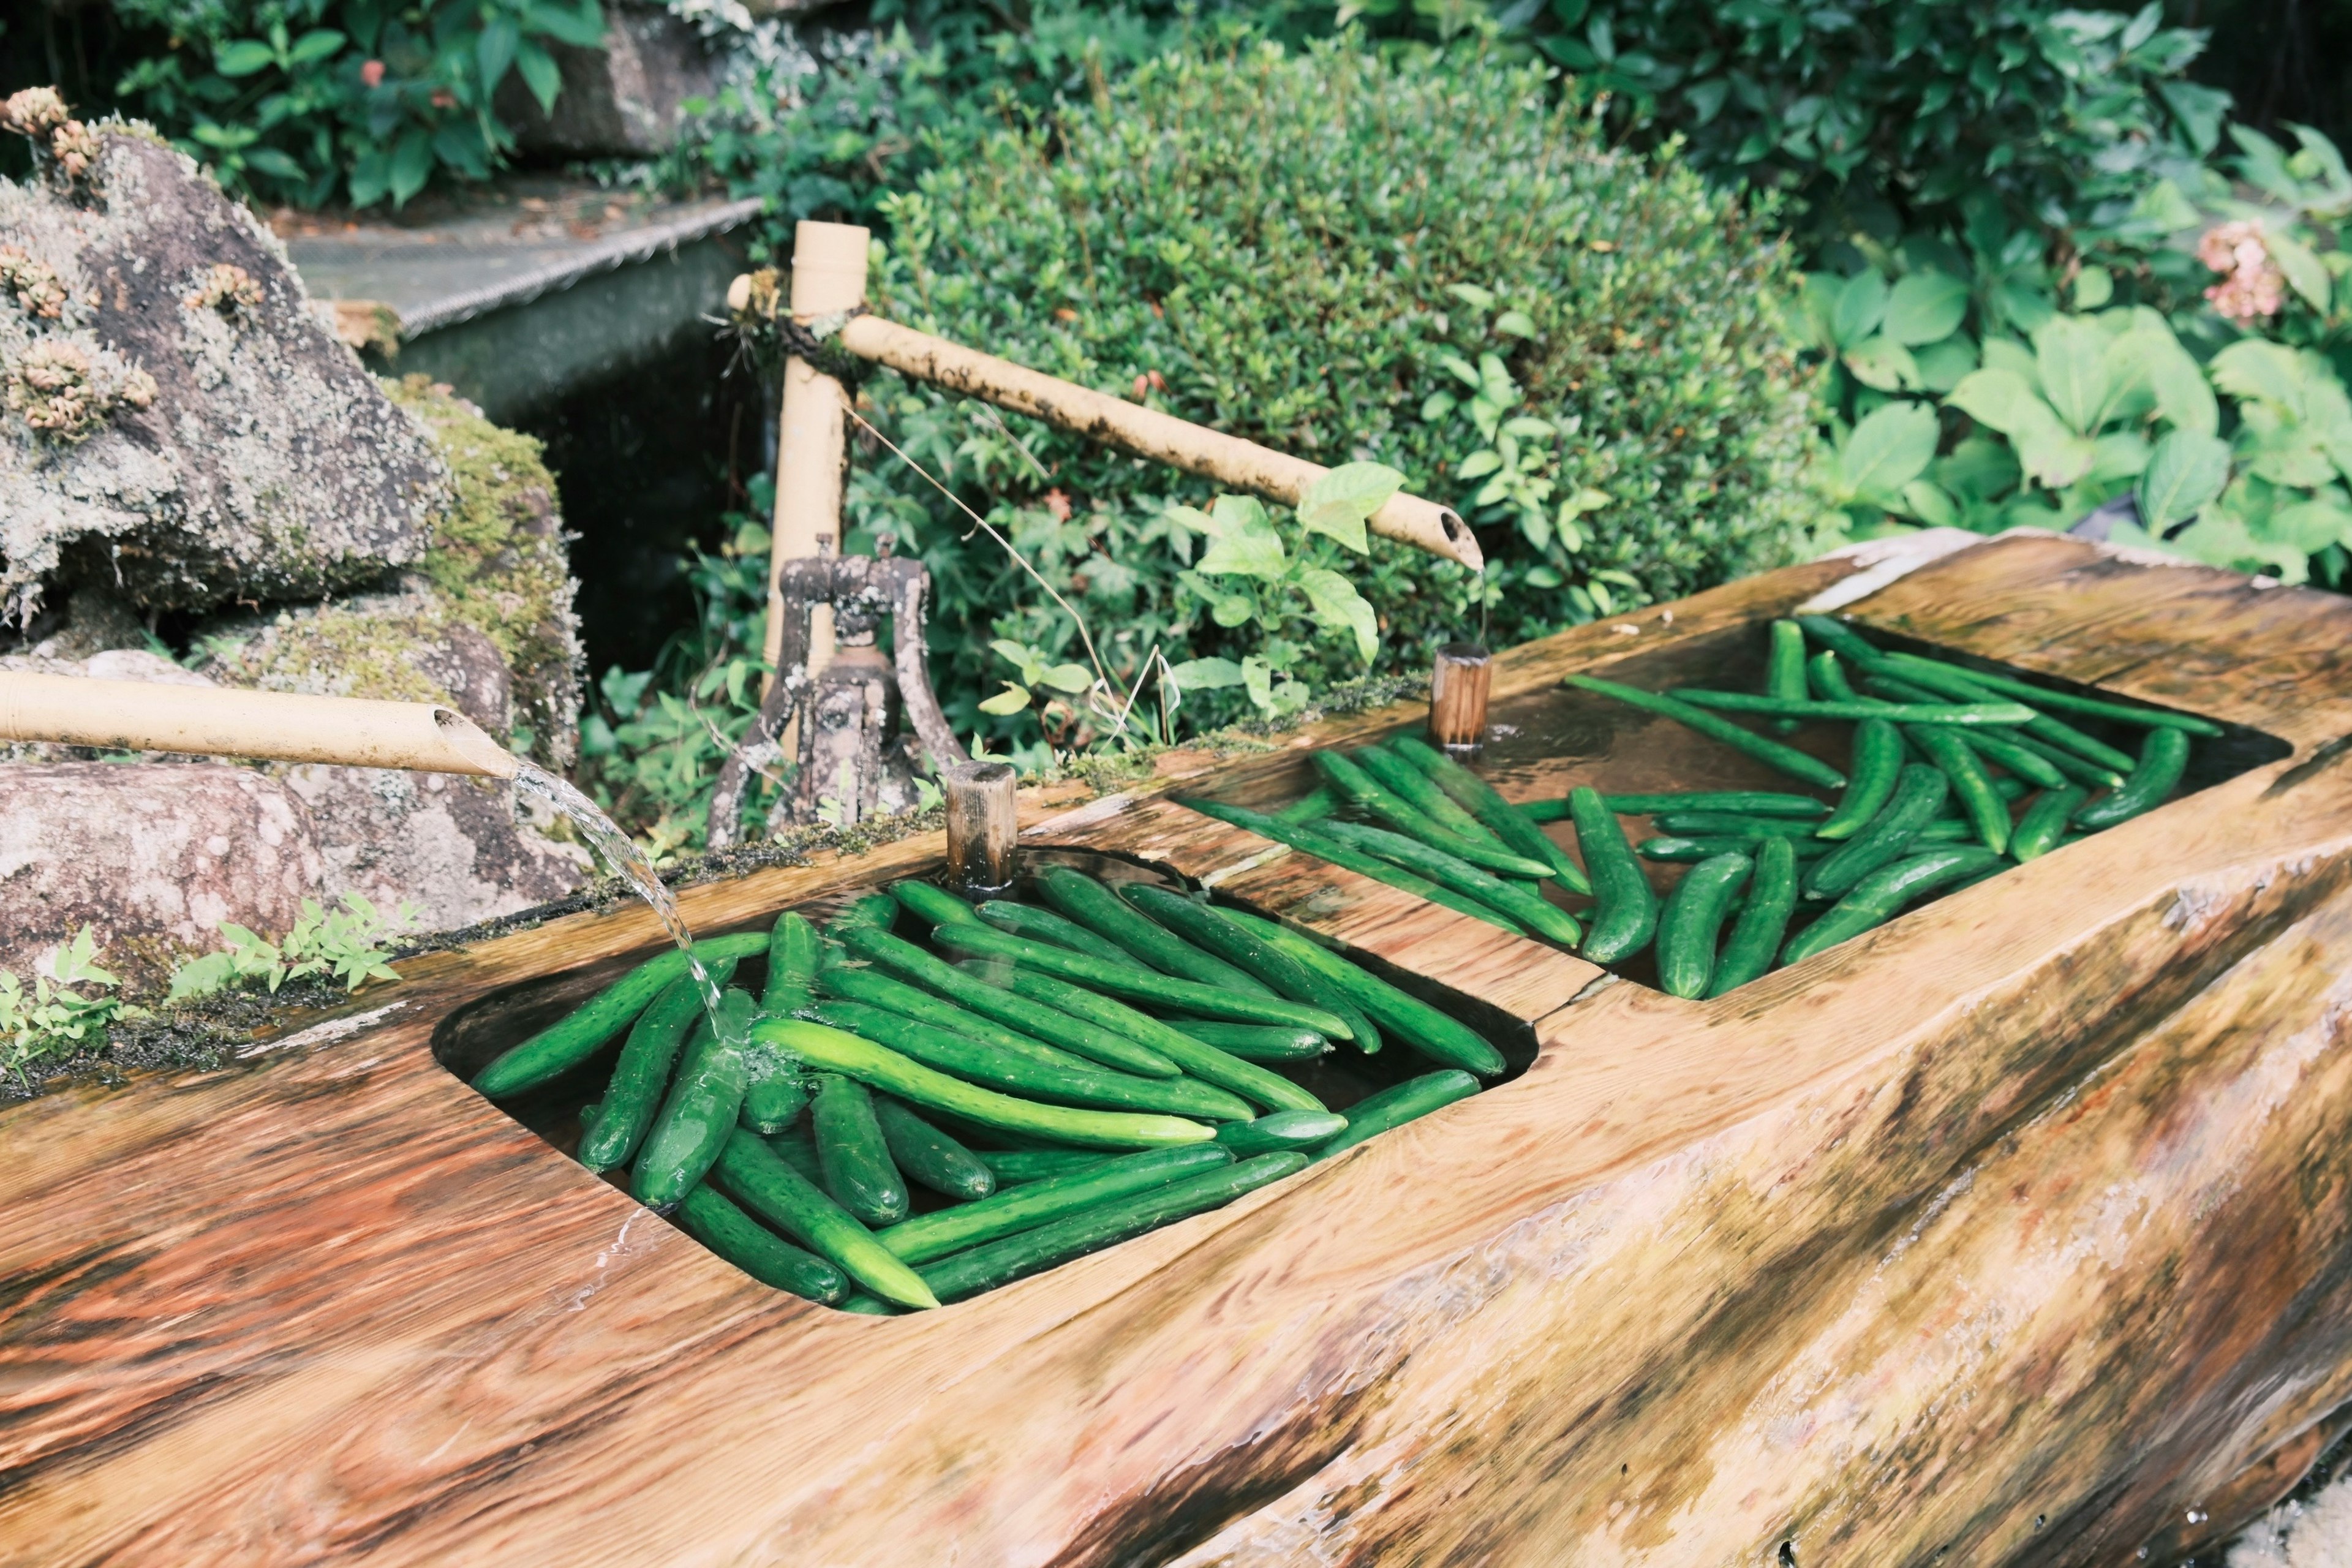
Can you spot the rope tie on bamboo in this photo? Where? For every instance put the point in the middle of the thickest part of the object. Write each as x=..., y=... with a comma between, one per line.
x=814, y=342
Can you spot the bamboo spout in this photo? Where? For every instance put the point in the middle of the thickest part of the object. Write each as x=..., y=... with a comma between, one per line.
x=138, y=715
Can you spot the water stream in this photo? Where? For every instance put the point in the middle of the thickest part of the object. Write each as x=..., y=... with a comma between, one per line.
x=616, y=850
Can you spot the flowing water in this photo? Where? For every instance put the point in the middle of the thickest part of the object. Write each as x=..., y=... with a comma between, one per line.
x=627, y=861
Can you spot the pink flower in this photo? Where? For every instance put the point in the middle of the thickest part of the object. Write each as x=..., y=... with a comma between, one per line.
x=371, y=74
x=2254, y=285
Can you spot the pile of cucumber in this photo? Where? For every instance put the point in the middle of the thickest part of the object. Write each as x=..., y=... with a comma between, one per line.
x=1955, y=774
x=903, y=1117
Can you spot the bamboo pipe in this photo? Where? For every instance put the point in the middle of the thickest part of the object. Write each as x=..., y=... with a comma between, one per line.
x=220, y=721
x=811, y=432
x=1147, y=432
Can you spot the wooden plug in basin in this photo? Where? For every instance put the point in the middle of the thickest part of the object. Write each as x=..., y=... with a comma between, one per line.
x=2010, y=1232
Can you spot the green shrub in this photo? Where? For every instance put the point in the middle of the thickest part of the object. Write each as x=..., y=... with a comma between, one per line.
x=1426, y=263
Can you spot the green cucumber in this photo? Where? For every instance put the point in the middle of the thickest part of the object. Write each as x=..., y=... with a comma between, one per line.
x=1784, y=669
x=2163, y=758
x=1940, y=714
x=1015, y=1166
x=765, y=1184
x=750, y=1245
x=1043, y=925
x=2024, y=762
x=1160, y=990
x=1675, y=848
x=773, y=1093
x=1880, y=895
x=2038, y=831
x=1078, y=1083
x=1044, y=1197
x=1255, y=1042
x=1773, y=754
x=879, y=911
x=1204, y=1062
x=1625, y=912
x=1839, y=639
x=700, y=1112
x=2067, y=702
x=1283, y=1130
x=572, y=1039
x=1312, y=807
x=924, y=1153
x=795, y=1147
x=642, y=1075
x=1346, y=777
x=831, y=1050
x=1763, y=919
x=1529, y=909
x=930, y=903
x=1090, y=904
x=2072, y=764
x=1435, y=1034
x=936, y=975
x=1919, y=791
x=1746, y=802
x=846, y=982
x=794, y=955
x=965, y=1274
x=1983, y=804
x=1325, y=847
x=1729, y=823
x=1946, y=830
x=1949, y=680
x=1691, y=919
x=850, y=1151
x=1828, y=678
x=1481, y=799
x=1206, y=928
x=1877, y=762
x=1395, y=1106
x=1418, y=790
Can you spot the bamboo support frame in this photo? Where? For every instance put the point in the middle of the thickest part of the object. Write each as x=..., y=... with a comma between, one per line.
x=142, y=716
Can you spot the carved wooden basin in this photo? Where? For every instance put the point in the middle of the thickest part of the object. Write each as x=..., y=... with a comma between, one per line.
x=2013, y=1232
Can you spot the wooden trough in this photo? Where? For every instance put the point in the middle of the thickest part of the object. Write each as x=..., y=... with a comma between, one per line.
x=2014, y=1232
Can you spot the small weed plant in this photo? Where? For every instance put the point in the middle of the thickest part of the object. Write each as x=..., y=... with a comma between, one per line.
x=64, y=1010
x=348, y=943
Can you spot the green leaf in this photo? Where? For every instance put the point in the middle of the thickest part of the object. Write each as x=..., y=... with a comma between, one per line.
x=1205, y=673
x=1258, y=678
x=202, y=976
x=1999, y=400
x=1339, y=503
x=1516, y=324
x=581, y=24
x=412, y=163
x=2094, y=287
x=2311, y=526
x=2071, y=355
x=1941, y=365
x=2305, y=272
x=1861, y=305
x=2268, y=372
x=1461, y=369
x=1884, y=452
x=2175, y=380
x=1338, y=605
x=1884, y=363
x=1245, y=541
x=1012, y=699
x=2220, y=537
x=1470, y=294
x=1478, y=464
x=2185, y=472
x=1924, y=307
x=1071, y=678
x=1929, y=503
x=540, y=73
x=243, y=57
x=313, y=46
x=494, y=49
x=270, y=161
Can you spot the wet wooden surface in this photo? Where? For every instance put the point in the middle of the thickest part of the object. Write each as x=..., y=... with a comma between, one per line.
x=2004, y=1235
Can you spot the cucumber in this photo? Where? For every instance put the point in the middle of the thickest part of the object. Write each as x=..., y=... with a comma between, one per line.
x=1729, y=824
x=1746, y=802
x=1436, y=1035
x=1919, y=791
x=1325, y=847
x=639, y=1079
x=773, y=1094
x=1096, y=906
x=572, y=1039
x=1530, y=910
x=1949, y=680
x=1946, y=830
x=1312, y=807
x=1418, y=790
x=1395, y=1106
x=880, y=910
x=1481, y=799
x=1828, y=678
x=1784, y=669
x=1043, y=1198
x=1625, y=912
x=847, y=983
x=929, y=903
x=1205, y=928
x=1255, y=1042
x=965, y=1274
x=2163, y=758
x=831, y=1050
x=857, y=1163
x=1283, y=1130
x=1996, y=746
x=743, y=1241
x=1763, y=919
x=1073, y=1035
x=1206, y=1063
x=1877, y=762
x=1348, y=779
x=1961, y=715
x=1675, y=847
x=1075, y=1085
x=2072, y=765
x=1986, y=809
x=766, y=1185
x=2067, y=702
x=1160, y=990
x=695, y=1117
x=1839, y=639
x=1880, y=895
x=2037, y=833
x=1016, y=1166
x=794, y=953
x=1693, y=919
x=1773, y=754
x=797, y=1148
x=1044, y=925
x=924, y=1153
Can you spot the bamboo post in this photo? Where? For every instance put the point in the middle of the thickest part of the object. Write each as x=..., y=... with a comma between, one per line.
x=1458, y=684
x=983, y=829
x=1147, y=432
x=222, y=722
x=812, y=444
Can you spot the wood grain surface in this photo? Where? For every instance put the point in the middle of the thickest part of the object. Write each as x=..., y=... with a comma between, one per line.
x=2006, y=1234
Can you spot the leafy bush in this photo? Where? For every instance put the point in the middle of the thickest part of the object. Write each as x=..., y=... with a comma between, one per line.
x=299, y=99
x=65, y=1009
x=1428, y=264
x=348, y=943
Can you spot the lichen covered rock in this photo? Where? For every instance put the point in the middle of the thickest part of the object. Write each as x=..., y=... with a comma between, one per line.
x=177, y=421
